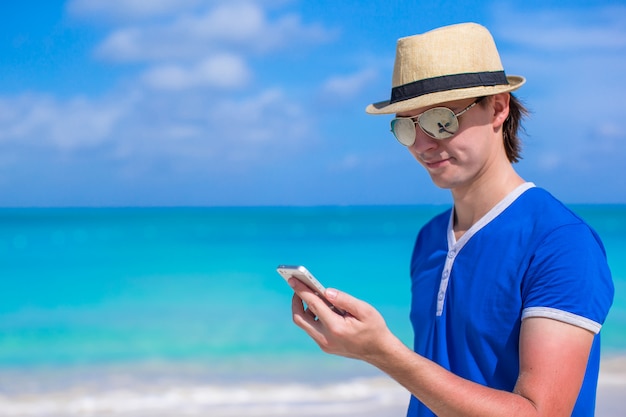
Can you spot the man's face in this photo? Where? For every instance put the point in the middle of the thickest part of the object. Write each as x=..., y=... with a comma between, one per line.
x=467, y=156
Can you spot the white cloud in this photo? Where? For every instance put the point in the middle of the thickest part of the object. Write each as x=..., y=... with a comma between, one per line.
x=240, y=26
x=347, y=163
x=128, y=9
x=566, y=29
x=571, y=58
x=43, y=121
x=549, y=161
x=347, y=86
x=184, y=108
x=610, y=129
x=138, y=130
x=222, y=71
x=267, y=118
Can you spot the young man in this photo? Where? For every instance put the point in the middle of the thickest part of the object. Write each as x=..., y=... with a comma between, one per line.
x=509, y=287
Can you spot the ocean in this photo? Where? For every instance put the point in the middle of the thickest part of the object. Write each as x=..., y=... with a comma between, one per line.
x=180, y=312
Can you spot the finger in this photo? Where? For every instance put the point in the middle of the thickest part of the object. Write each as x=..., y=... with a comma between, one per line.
x=330, y=317
x=298, y=309
x=313, y=301
x=310, y=313
x=306, y=320
x=345, y=301
x=297, y=306
x=299, y=286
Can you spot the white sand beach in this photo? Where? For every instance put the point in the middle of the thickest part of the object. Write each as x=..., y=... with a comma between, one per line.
x=122, y=395
x=611, y=398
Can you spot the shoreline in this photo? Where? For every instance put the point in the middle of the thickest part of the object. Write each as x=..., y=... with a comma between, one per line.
x=167, y=390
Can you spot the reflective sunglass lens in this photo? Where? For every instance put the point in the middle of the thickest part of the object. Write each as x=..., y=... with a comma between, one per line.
x=404, y=130
x=439, y=123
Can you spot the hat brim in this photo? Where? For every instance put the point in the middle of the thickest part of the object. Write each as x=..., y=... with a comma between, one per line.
x=384, y=107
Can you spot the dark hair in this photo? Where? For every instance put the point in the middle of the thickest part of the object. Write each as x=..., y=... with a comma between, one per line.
x=512, y=128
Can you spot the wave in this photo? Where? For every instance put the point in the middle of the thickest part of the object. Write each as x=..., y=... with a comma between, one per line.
x=159, y=394
x=364, y=397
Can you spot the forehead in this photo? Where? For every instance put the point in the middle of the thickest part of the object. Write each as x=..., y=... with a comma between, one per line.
x=455, y=106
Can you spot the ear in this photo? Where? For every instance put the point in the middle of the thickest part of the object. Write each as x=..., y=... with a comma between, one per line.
x=500, y=103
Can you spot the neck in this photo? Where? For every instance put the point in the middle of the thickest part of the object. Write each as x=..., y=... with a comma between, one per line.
x=471, y=203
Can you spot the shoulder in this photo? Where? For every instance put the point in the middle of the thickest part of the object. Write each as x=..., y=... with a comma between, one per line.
x=541, y=206
x=432, y=237
x=543, y=216
x=437, y=223
x=554, y=231
x=435, y=230
x=567, y=276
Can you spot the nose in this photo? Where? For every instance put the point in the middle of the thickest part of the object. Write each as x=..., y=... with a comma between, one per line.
x=423, y=143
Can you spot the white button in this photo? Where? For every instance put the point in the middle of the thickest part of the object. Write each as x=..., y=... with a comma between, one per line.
x=451, y=254
x=445, y=274
x=440, y=296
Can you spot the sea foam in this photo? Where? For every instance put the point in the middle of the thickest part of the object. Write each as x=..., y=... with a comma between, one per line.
x=369, y=397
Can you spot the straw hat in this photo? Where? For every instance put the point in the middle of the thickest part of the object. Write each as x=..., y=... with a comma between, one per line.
x=450, y=63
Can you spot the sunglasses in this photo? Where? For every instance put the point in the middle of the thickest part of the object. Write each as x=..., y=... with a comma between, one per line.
x=438, y=123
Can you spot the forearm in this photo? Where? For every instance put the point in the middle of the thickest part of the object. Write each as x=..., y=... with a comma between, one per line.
x=552, y=360
x=443, y=392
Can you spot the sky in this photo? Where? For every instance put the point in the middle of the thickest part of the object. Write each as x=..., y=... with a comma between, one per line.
x=247, y=103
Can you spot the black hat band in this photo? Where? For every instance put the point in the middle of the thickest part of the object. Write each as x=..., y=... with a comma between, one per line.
x=446, y=83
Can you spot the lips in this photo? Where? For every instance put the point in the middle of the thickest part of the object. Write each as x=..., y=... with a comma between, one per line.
x=435, y=164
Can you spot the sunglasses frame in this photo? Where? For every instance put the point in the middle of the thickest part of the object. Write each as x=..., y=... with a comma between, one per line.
x=416, y=121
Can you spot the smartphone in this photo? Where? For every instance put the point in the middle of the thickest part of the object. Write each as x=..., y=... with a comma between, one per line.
x=303, y=274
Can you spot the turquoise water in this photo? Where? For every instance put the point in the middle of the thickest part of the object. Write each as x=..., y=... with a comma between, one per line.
x=191, y=294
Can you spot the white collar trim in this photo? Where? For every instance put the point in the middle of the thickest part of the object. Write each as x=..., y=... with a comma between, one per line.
x=454, y=247
x=488, y=217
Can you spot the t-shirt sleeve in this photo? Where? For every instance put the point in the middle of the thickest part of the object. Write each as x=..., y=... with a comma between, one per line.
x=568, y=279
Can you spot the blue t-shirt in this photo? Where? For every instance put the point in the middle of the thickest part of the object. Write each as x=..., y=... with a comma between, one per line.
x=529, y=256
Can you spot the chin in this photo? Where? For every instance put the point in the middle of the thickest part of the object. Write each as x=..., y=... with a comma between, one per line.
x=446, y=183
x=443, y=183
